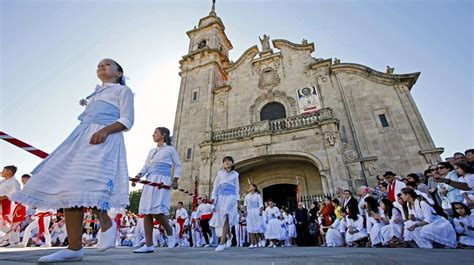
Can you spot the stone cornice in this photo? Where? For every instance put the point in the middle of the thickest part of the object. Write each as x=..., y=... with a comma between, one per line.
x=275, y=56
x=221, y=89
x=437, y=151
x=278, y=43
x=203, y=52
x=216, y=24
x=249, y=53
x=382, y=78
x=222, y=72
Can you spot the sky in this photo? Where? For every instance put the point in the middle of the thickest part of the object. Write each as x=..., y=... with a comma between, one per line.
x=49, y=51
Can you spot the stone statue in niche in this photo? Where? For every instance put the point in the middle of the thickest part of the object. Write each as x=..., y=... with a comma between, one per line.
x=265, y=43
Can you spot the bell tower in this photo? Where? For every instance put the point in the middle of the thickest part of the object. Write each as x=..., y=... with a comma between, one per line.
x=202, y=71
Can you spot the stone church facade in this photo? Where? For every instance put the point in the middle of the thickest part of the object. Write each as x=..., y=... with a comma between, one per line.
x=287, y=117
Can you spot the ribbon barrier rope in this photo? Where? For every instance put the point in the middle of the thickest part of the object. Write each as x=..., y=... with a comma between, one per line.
x=42, y=154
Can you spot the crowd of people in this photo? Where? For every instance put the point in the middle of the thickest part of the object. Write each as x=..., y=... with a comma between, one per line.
x=427, y=211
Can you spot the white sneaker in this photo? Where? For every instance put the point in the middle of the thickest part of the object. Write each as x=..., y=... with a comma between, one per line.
x=229, y=241
x=171, y=242
x=145, y=249
x=252, y=246
x=220, y=248
x=107, y=238
x=63, y=255
x=45, y=246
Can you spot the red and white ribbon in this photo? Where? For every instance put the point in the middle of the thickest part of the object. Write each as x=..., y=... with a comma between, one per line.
x=43, y=154
x=23, y=145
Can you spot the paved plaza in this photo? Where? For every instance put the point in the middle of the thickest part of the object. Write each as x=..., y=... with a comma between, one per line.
x=274, y=256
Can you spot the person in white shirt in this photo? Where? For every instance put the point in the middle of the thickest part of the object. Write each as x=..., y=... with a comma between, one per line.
x=273, y=230
x=423, y=227
x=88, y=239
x=394, y=185
x=356, y=231
x=12, y=214
x=155, y=201
x=392, y=231
x=363, y=192
x=375, y=223
x=226, y=198
x=89, y=169
x=253, y=205
x=204, y=214
x=196, y=234
x=58, y=233
x=181, y=219
x=8, y=186
x=463, y=224
x=41, y=220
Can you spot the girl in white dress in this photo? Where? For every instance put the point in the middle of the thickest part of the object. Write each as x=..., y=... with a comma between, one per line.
x=355, y=226
x=274, y=231
x=89, y=169
x=226, y=198
x=423, y=226
x=392, y=232
x=374, y=221
x=464, y=224
x=155, y=201
x=290, y=224
x=336, y=231
x=253, y=204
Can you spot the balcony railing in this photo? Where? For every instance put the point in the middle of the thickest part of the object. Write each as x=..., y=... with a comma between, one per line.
x=290, y=123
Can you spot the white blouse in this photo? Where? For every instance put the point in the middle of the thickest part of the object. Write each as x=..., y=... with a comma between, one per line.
x=222, y=177
x=422, y=211
x=119, y=96
x=253, y=200
x=166, y=154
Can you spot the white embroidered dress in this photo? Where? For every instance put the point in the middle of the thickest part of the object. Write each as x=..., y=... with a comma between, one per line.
x=437, y=230
x=465, y=231
x=78, y=173
x=394, y=228
x=157, y=168
x=254, y=202
x=225, y=194
x=273, y=229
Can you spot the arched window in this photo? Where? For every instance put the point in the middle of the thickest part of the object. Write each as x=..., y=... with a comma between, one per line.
x=202, y=44
x=272, y=111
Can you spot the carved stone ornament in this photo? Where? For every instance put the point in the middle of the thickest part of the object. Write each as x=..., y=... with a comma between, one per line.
x=330, y=138
x=371, y=167
x=349, y=153
x=268, y=79
x=322, y=73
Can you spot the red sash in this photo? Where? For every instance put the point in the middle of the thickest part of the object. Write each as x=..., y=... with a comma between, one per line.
x=19, y=214
x=118, y=220
x=206, y=216
x=391, y=191
x=180, y=221
x=41, y=227
x=6, y=210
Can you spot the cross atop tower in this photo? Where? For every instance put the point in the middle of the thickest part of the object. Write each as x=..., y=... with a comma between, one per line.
x=213, y=9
